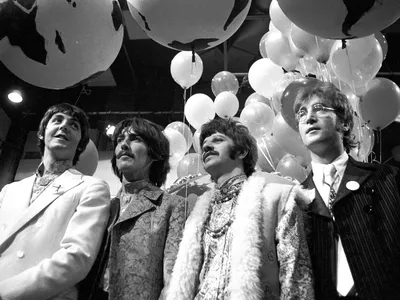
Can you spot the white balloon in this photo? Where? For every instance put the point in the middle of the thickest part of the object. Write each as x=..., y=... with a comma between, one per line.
x=199, y=109
x=177, y=145
x=226, y=104
x=184, y=71
x=88, y=160
x=264, y=76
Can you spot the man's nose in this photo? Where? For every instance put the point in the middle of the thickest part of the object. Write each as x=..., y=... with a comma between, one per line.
x=207, y=148
x=311, y=117
x=64, y=126
x=124, y=145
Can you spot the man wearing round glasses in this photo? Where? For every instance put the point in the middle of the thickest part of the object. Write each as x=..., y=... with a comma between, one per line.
x=354, y=216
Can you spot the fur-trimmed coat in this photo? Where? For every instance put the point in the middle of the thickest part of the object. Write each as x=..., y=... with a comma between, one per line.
x=270, y=257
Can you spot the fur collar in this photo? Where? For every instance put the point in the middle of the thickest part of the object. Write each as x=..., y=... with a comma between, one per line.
x=246, y=244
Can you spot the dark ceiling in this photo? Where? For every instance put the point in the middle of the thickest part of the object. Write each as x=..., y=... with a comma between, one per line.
x=145, y=87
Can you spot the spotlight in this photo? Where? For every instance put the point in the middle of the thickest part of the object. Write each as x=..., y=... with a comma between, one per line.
x=110, y=130
x=15, y=96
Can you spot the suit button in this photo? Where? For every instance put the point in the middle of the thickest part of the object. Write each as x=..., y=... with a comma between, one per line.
x=39, y=224
x=20, y=254
x=370, y=191
x=4, y=226
x=367, y=209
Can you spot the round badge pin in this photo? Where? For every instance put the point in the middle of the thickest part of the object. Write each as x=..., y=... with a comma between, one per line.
x=352, y=185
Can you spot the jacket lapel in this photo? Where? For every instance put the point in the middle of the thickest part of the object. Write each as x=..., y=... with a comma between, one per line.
x=318, y=205
x=145, y=200
x=63, y=183
x=353, y=173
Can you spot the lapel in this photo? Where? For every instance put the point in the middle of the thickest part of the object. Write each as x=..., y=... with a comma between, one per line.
x=354, y=172
x=318, y=205
x=145, y=200
x=22, y=192
x=66, y=181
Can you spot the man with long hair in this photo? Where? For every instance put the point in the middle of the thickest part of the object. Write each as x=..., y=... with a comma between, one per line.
x=146, y=235
x=52, y=223
x=353, y=221
x=244, y=239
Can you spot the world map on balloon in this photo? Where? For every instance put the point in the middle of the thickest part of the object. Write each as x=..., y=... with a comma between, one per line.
x=189, y=25
x=338, y=19
x=67, y=42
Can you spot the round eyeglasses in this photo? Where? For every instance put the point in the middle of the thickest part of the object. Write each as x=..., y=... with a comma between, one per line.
x=317, y=109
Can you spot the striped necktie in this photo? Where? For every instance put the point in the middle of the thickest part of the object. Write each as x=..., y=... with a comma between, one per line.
x=344, y=278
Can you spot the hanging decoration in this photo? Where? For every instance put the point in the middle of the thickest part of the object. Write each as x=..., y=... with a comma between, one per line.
x=60, y=44
x=189, y=25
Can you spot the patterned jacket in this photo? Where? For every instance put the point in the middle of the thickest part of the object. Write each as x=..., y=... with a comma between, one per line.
x=144, y=245
x=270, y=258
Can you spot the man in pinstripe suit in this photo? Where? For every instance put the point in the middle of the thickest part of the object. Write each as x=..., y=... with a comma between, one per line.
x=353, y=219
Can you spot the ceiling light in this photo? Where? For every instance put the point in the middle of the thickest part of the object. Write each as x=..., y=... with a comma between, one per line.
x=110, y=130
x=15, y=96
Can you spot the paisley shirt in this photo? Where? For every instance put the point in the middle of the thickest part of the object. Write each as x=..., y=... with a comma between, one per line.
x=144, y=243
x=44, y=177
x=217, y=241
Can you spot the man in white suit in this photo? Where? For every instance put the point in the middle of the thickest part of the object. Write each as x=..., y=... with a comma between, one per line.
x=52, y=223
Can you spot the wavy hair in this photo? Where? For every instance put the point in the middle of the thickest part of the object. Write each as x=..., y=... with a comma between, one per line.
x=71, y=111
x=242, y=139
x=157, y=146
x=332, y=96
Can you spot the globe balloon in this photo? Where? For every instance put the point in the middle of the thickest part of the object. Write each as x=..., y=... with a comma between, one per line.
x=60, y=44
x=189, y=25
x=341, y=19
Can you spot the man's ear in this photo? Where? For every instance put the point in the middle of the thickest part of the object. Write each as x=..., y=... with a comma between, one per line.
x=242, y=154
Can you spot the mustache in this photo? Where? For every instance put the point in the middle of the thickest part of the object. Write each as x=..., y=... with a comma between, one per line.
x=208, y=153
x=122, y=153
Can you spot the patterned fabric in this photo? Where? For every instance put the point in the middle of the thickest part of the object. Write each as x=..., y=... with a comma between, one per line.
x=259, y=270
x=44, y=178
x=217, y=242
x=329, y=179
x=144, y=244
x=368, y=222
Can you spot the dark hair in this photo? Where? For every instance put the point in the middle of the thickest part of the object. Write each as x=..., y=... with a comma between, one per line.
x=157, y=147
x=242, y=139
x=333, y=97
x=71, y=111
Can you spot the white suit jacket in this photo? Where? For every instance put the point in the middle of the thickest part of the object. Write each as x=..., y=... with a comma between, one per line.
x=47, y=247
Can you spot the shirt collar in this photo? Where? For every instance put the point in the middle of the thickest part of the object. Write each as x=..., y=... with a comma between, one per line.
x=134, y=187
x=61, y=167
x=340, y=164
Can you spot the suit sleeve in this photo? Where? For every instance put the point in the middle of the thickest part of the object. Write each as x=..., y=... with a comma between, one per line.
x=174, y=236
x=295, y=273
x=78, y=249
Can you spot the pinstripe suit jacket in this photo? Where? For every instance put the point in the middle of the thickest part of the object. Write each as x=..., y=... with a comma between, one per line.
x=368, y=222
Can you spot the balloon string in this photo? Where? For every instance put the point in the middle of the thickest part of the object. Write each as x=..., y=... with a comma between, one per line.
x=303, y=65
x=351, y=71
x=269, y=158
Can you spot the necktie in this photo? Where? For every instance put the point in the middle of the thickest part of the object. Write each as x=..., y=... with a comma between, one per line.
x=329, y=180
x=344, y=279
